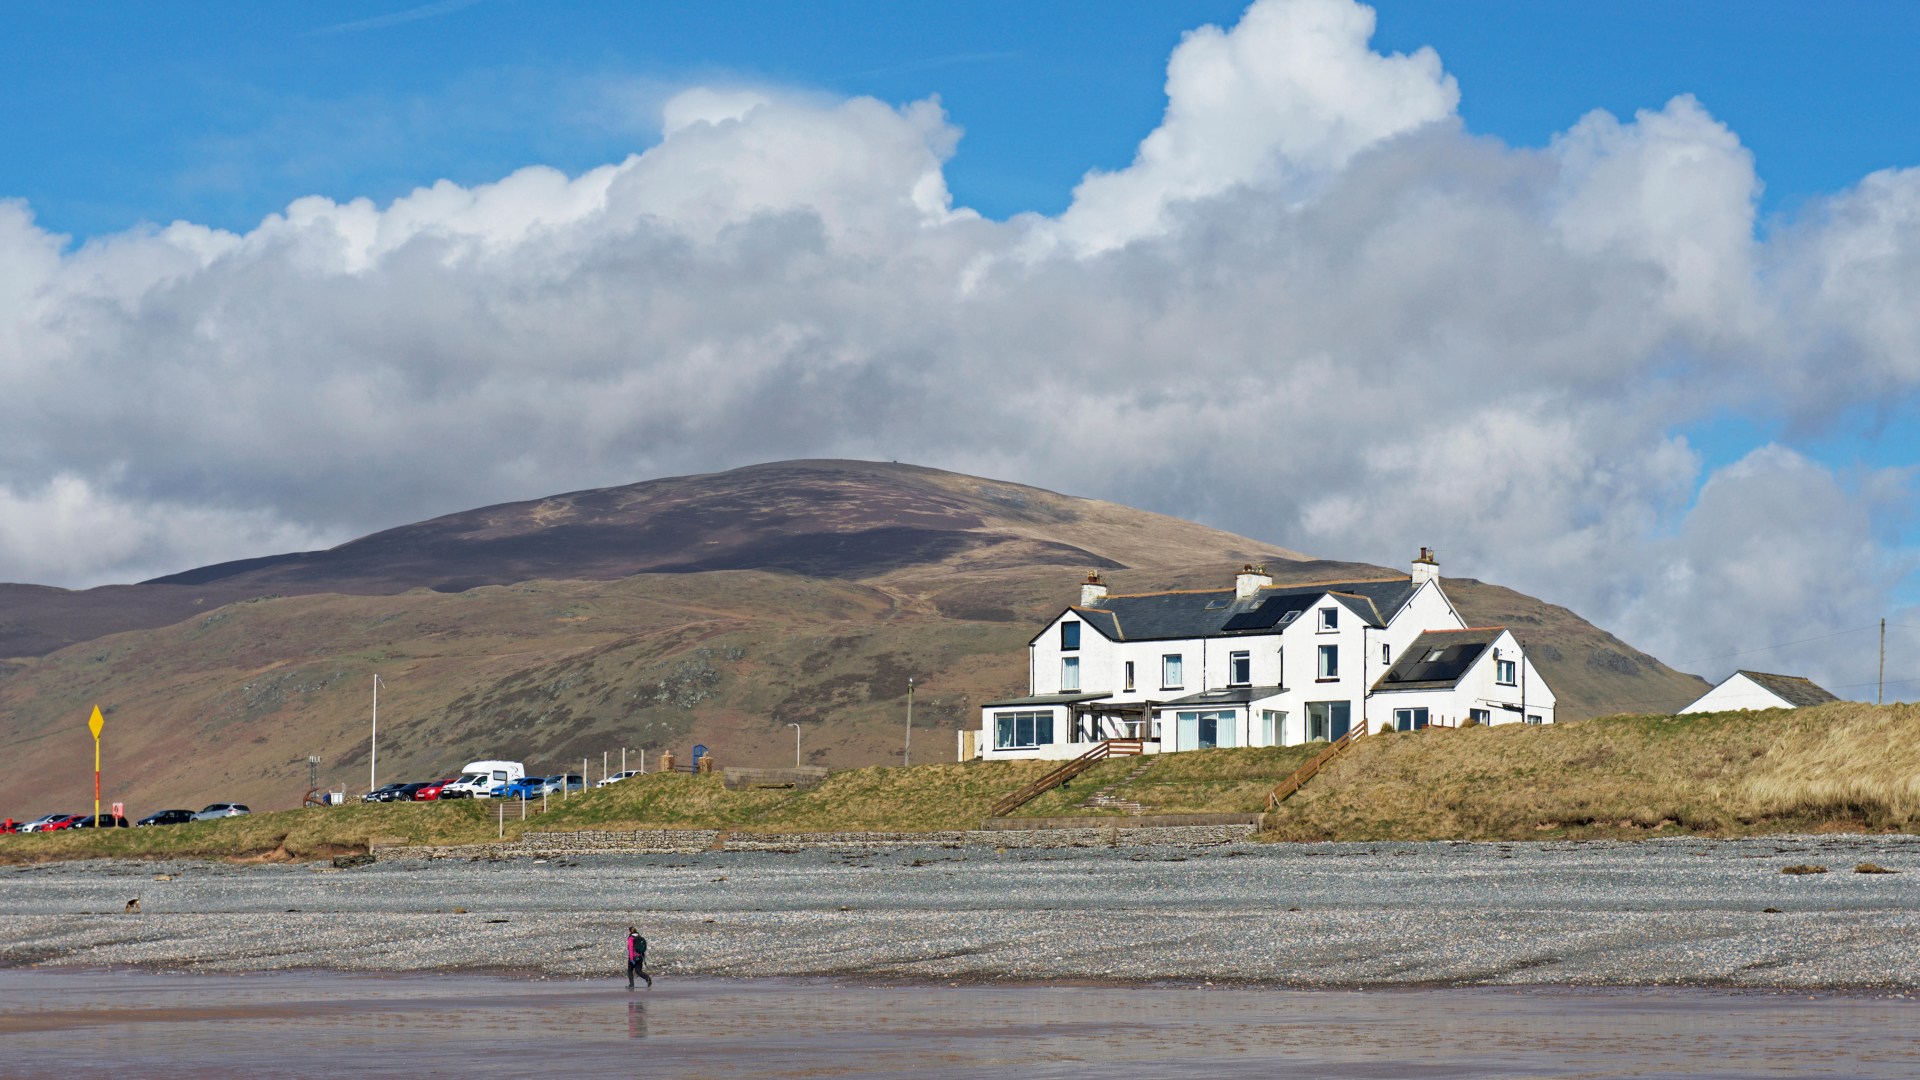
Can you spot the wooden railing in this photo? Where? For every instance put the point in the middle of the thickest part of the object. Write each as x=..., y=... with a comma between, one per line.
x=1100, y=752
x=1313, y=766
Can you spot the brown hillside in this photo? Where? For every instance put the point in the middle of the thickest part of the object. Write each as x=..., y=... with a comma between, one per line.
x=894, y=571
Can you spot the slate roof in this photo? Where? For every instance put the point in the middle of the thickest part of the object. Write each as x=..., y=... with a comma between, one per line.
x=1792, y=689
x=1169, y=616
x=1233, y=695
x=1438, y=659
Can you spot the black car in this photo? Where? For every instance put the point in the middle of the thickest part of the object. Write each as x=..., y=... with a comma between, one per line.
x=106, y=821
x=167, y=817
x=389, y=793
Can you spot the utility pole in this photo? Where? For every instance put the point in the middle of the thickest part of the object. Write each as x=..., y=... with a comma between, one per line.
x=796, y=744
x=906, y=758
x=373, y=759
x=1880, y=696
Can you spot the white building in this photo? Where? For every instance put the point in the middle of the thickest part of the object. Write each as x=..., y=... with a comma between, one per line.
x=1759, y=690
x=1259, y=665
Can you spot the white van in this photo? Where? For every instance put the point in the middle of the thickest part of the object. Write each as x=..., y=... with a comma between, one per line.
x=479, y=778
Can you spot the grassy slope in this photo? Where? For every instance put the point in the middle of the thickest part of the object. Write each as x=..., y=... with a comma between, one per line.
x=1843, y=766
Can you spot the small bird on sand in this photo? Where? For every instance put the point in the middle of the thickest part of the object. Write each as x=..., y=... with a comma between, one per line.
x=133, y=906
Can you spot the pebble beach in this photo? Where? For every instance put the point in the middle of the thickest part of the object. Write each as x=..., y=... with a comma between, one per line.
x=1682, y=912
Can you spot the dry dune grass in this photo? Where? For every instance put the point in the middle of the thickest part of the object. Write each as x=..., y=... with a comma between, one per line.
x=1199, y=782
x=1840, y=766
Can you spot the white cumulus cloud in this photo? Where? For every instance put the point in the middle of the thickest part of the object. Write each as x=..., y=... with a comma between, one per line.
x=1314, y=309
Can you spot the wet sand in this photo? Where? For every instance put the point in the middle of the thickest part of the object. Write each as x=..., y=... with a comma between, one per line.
x=125, y=1023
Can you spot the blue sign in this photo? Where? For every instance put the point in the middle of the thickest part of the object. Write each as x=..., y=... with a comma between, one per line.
x=699, y=751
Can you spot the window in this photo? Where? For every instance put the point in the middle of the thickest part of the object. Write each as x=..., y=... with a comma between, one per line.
x=1069, y=674
x=1480, y=716
x=1386, y=655
x=1533, y=718
x=1272, y=723
x=1172, y=673
x=1128, y=668
x=1204, y=730
x=1022, y=730
x=1329, y=619
x=1239, y=669
x=1329, y=662
x=1409, y=719
x=1069, y=636
x=1503, y=672
x=1328, y=720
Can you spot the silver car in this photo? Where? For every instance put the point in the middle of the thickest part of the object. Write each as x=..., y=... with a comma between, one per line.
x=220, y=810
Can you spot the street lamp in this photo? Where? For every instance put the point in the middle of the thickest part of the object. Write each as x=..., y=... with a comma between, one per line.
x=796, y=744
x=373, y=758
x=906, y=756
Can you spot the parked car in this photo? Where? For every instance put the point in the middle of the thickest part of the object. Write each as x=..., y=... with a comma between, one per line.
x=166, y=817
x=486, y=779
x=617, y=777
x=106, y=821
x=220, y=810
x=527, y=787
x=60, y=821
x=431, y=792
x=458, y=789
x=569, y=781
x=386, y=793
x=40, y=822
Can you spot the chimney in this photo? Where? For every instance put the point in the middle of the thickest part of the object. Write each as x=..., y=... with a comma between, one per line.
x=1426, y=568
x=1251, y=579
x=1093, y=591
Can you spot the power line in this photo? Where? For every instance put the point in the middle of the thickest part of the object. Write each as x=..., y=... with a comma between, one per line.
x=1784, y=644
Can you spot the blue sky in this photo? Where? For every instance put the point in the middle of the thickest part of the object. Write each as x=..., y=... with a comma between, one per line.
x=223, y=112
x=1592, y=363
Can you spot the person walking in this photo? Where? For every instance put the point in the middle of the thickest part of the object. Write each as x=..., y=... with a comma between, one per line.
x=637, y=957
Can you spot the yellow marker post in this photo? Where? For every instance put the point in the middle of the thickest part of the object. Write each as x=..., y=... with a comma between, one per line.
x=94, y=724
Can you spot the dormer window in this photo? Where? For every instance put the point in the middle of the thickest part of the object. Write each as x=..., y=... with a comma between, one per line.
x=1329, y=619
x=1069, y=636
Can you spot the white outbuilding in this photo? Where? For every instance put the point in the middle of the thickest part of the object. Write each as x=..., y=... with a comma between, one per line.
x=1760, y=690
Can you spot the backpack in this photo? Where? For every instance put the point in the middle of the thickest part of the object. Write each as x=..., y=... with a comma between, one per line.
x=639, y=946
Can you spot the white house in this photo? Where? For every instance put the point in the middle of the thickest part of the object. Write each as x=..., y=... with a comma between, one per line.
x=1759, y=690
x=1259, y=665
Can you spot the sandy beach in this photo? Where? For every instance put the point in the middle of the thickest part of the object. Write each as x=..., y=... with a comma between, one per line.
x=1680, y=912
x=119, y=1023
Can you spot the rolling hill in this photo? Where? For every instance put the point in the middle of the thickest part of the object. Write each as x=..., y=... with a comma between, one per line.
x=724, y=609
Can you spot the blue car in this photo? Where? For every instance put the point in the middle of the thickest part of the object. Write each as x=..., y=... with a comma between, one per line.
x=527, y=787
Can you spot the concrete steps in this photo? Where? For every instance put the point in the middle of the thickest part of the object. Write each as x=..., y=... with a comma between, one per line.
x=1105, y=799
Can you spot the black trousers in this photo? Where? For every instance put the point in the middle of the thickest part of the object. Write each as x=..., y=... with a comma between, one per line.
x=637, y=967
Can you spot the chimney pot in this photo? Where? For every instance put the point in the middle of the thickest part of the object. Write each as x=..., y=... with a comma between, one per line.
x=1093, y=591
x=1426, y=568
x=1252, y=578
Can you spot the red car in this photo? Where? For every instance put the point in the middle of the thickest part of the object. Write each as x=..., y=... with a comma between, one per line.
x=431, y=792
x=64, y=821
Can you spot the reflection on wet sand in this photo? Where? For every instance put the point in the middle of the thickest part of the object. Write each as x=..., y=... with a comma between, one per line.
x=93, y=1022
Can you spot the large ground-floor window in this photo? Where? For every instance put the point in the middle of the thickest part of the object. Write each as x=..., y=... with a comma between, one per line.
x=1270, y=728
x=1206, y=730
x=1409, y=719
x=1328, y=720
x=1022, y=730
